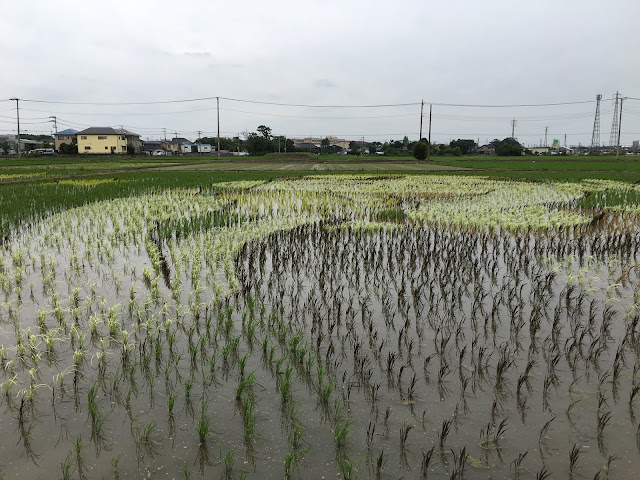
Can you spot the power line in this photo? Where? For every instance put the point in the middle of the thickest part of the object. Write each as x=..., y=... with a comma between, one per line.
x=307, y=105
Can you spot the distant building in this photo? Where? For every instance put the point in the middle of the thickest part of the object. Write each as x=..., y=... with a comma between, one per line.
x=133, y=139
x=486, y=150
x=333, y=141
x=65, y=136
x=635, y=144
x=203, y=148
x=26, y=145
x=153, y=148
x=103, y=140
x=539, y=150
x=175, y=145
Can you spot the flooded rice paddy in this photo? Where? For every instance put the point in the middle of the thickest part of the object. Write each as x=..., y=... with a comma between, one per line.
x=351, y=326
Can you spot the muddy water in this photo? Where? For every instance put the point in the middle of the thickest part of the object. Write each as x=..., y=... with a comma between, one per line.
x=413, y=328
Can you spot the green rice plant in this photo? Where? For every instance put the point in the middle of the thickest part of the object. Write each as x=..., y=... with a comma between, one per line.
x=245, y=384
x=242, y=362
x=286, y=384
x=289, y=459
x=143, y=435
x=340, y=434
x=171, y=402
x=228, y=461
x=348, y=470
x=79, y=460
x=325, y=392
x=114, y=465
x=188, y=387
x=204, y=429
x=65, y=466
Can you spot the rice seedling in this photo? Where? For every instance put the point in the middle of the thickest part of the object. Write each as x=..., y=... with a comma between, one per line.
x=65, y=466
x=203, y=429
x=574, y=456
x=404, y=434
x=340, y=434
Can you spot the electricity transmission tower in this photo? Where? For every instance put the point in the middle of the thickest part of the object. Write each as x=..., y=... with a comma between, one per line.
x=595, y=137
x=613, y=136
x=514, y=122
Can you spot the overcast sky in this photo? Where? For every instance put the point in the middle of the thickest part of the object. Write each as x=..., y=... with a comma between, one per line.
x=328, y=52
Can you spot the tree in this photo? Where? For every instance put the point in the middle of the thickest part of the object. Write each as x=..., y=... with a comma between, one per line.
x=372, y=148
x=495, y=143
x=131, y=150
x=5, y=147
x=68, y=149
x=405, y=143
x=230, y=144
x=354, y=148
x=258, y=144
x=325, y=143
x=420, y=151
x=265, y=132
x=466, y=146
x=509, y=146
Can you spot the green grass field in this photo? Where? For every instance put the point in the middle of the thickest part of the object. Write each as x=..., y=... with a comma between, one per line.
x=34, y=186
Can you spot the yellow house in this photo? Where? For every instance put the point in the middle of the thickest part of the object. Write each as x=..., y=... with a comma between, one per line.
x=101, y=140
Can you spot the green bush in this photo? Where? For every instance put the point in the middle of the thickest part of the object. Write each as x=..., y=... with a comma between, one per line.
x=420, y=151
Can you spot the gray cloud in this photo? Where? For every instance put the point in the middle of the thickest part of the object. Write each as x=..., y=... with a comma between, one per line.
x=198, y=54
x=324, y=83
x=356, y=52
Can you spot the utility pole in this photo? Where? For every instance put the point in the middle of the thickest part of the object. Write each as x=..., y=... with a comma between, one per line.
x=17, y=100
x=239, y=144
x=218, y=108
x=514, y=122
x=55, y=123
x=546, y=130
x=421, y=110
x=429, y=139
x=285, y=144
x=164, y=130
x=619, y=128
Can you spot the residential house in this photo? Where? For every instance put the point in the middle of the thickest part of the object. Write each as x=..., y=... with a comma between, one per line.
x=65, y=136
x=133, y=139
x=175, y=146
x=153, y=148
x=202, y=148
x=486, y=150
x=102, y=140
